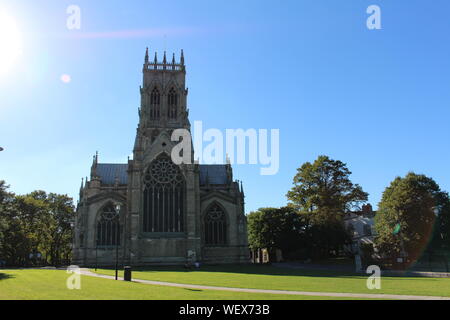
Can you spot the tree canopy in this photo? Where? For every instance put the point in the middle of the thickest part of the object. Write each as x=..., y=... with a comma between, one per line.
x=35, y=223
x=275, y=228
x=409, y=210
x=323, y=191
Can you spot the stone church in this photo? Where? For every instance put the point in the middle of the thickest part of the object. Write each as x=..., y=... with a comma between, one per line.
x=151, y=211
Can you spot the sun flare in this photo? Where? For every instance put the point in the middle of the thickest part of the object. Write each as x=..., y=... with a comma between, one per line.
x=10, y=42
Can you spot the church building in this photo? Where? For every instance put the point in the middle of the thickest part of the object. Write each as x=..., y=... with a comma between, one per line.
x=151, y=211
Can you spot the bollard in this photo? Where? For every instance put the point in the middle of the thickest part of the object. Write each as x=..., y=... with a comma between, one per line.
x=127, y=273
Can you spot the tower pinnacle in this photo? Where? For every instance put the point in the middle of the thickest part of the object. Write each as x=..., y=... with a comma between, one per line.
x=146, y=56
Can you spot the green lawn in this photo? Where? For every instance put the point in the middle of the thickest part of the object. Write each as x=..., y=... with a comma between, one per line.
x=268, y=277
x=51, y=285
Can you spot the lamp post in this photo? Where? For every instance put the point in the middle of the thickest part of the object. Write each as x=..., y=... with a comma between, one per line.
x=96, y=254
x=117, y=207
x=72, y=243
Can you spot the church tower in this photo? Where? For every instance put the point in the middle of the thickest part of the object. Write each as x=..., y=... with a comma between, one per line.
x=162, y=207
x=169, y=213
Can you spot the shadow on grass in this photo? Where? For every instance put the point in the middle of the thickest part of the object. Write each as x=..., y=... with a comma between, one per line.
x=195, y=290
x=271, y=270
x=4, y=276
x=251, y=269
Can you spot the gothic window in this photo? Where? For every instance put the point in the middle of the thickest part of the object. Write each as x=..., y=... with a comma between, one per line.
x=215, y=226
x=172, y=100
x=108, y=227
x=163, y=197
x=155, y=99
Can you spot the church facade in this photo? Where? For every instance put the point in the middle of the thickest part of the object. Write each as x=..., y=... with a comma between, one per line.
x=150, y=210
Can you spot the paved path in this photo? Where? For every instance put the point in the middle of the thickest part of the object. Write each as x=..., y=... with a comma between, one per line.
x=86, y=272
x=351, y=269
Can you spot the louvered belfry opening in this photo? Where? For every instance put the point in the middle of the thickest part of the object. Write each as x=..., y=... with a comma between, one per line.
x=155, y=101
x=108, y=227
x=215, y=226
x=164, y=197
x=172, y=100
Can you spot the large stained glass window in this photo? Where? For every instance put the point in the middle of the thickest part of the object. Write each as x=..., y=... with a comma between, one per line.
x=164, y=197
x=108, y=227
x=215, y=226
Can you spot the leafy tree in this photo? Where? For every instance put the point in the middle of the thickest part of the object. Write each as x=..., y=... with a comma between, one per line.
x=322, y=194
x=323, y=191
x=275, y=228
x=27, y=229
x=5, y=199
x=33, y=223
x=407, y=212
x=441, y=231
x=62, y=213
x=326, y=240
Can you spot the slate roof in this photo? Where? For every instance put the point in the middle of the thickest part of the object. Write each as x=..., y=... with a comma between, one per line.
x=109, y=171
x=216, y=173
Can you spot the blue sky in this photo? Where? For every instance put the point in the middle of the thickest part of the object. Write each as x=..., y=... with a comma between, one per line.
x=375, y=99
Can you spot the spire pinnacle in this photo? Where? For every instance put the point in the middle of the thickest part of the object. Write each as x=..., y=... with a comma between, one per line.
x=146, y=55
x=182, y=58
x=164, y=60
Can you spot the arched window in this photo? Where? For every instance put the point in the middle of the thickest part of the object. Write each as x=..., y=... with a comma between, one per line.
x=163, y=197
x=215, y=226
x=172, y=100
x=155, y=99
x=108, y=227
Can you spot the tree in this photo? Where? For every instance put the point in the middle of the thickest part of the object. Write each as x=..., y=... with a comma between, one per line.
x=36, y=222
x=322, y=194
x=5, y=199
x=407, y=213
x=323, y=191
x=326, y=240
x=62, y=213
x=275, y=228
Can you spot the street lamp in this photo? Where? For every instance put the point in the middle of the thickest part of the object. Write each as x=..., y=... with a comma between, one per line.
x=96, y=254
x=72, y=244
x=117, y=207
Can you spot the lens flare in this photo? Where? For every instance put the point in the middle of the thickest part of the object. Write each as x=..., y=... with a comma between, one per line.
x=65, y=78
x=10, y=42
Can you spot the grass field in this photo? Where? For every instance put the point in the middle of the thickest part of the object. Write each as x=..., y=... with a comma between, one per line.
x=268, y=277
x=51, y=285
